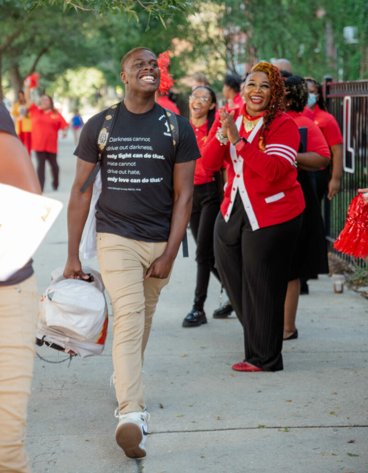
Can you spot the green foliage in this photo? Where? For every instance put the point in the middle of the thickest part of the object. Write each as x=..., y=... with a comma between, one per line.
x=309, y=34
x=54, y=36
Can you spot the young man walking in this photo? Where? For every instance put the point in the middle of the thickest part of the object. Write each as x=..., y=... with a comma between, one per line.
x=141, y=217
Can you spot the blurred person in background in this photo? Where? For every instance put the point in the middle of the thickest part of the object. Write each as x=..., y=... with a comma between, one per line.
x=231, y=92
x=199, y=78
x=327, y=181
x=282, y=64
x=206, y=203
x=76, y=125
x=23, y=123
x=46, y=124
x=310, y=257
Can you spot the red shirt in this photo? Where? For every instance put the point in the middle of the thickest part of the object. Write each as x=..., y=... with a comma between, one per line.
x=307, y=112
x=45, y=127
x=316, y=142
x=201, y=175
x=165, y=102
x=328, y=125
x=237, y=103
x=262, y=172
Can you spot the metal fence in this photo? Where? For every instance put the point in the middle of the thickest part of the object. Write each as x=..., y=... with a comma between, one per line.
x=348, y=102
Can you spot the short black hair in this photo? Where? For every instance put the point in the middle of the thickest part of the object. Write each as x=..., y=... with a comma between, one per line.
x=296, y=93
x=132, y=51
x=285, y=74
x=233, y=81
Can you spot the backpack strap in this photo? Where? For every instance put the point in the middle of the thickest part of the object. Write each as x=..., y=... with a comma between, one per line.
x=102, y=140
x=174, y=127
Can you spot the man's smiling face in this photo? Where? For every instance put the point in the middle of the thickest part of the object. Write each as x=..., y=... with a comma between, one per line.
x=140, y=72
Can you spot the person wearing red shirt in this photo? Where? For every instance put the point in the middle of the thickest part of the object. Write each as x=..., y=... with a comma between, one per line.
x=328, y=182
x=166, y=102
x=46, y=123
x=234, y=103
x=311, y=253
x=206, y=203
x=260, y=218
x=231, y=92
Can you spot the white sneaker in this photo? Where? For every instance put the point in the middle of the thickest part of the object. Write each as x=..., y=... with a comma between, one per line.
x=131, y=433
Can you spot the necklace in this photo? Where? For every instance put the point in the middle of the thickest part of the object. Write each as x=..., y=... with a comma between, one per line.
x=250, y=124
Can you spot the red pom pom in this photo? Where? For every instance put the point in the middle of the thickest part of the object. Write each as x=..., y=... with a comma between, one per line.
x=32, y=80
x=166, y=81
x=353, y=239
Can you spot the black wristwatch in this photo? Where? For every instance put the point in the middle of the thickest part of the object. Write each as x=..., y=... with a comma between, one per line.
x=239, y=140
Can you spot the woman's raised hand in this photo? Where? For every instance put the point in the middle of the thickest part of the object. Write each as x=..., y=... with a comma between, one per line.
x=228, y=126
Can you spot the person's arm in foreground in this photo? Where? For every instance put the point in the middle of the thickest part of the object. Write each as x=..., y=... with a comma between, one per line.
x=16, y=168
x=78, y=209
x=182, y=207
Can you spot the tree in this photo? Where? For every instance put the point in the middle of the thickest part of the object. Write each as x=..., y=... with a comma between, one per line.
x=310, y=34
x=55, y=35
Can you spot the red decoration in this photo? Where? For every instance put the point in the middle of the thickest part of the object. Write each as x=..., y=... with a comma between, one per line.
x=32, y=80
x=166, y=81
x=353, y=239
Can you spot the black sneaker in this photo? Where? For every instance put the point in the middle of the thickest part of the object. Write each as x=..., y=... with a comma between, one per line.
x=223, y=311
x=195, y=318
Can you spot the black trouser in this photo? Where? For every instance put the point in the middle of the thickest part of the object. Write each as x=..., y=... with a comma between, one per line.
x=206, y=205
x=42, y=157
x=320, y=180
x=254, y=269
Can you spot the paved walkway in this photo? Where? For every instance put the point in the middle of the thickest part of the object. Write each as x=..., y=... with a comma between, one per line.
x=309, y=418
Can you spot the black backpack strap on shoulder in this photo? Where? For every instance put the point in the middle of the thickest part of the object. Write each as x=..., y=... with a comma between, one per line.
x=174, y=130
x=102, y=140
x=174, y=126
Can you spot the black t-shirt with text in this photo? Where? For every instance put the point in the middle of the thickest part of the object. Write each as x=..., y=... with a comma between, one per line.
x=137, y=171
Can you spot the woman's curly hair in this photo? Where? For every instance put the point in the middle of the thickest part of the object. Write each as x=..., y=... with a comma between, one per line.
x=296, y=93
x=277, y=102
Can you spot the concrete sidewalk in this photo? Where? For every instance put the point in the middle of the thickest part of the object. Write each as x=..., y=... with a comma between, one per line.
x=309, y=418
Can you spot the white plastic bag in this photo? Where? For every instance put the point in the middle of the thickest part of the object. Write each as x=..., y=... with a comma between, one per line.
x=87, y=247
x=73, y=314
x=25, y=219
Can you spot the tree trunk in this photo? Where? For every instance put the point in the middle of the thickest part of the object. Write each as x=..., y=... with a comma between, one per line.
x=37, y=59
x=15, y=78
x=1, y=77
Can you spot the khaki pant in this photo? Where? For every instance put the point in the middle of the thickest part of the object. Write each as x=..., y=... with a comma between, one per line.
x=123, y=263
x=18, y=317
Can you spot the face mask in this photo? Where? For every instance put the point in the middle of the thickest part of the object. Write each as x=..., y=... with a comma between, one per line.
x=312, y=100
